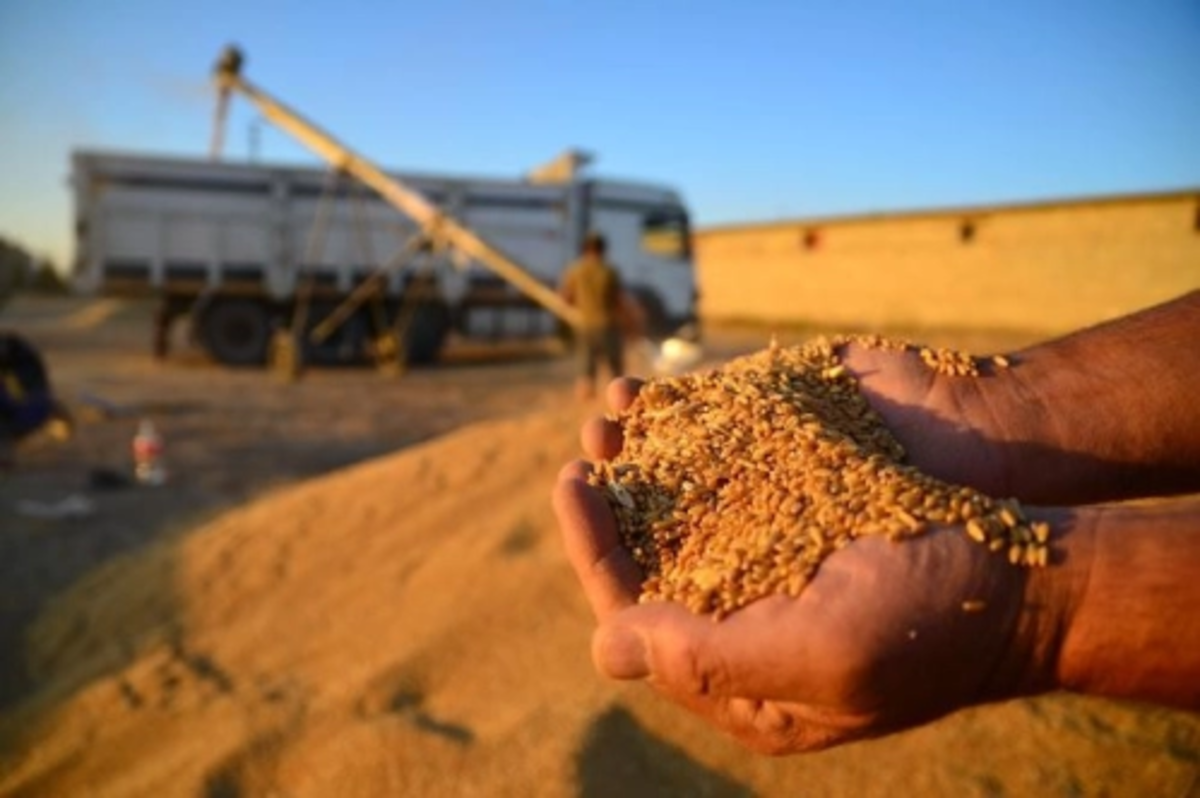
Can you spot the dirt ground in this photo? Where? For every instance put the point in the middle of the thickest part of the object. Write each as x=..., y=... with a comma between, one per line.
x=352, y=585
x=230, y=435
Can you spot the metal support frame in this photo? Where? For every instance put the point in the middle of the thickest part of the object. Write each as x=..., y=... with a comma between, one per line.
x=437, y=226
x=366, y=290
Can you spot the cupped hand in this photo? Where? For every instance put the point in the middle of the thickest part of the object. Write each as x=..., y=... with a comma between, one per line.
x=962, y=430
x=886, y=636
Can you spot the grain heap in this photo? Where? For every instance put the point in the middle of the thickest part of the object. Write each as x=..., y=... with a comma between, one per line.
x=735, y=483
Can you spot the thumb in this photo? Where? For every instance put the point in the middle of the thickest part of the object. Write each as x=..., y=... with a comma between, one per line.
x=692, y=655
x=620, y=652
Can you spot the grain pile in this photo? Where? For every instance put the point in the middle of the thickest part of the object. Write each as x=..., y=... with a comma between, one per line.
x=410, y=627
x=734, y=484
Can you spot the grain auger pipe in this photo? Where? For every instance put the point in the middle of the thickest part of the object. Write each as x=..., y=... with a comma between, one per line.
x=437, y=226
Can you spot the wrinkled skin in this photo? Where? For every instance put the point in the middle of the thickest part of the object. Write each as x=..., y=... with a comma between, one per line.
x=878, y=641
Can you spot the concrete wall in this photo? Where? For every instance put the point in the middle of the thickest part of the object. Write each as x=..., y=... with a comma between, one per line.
x=1051, y=267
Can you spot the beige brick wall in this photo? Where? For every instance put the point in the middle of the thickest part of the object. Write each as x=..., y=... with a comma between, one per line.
x=1040, y=268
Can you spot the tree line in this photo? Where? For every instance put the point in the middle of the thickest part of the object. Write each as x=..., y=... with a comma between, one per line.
x=21, y=270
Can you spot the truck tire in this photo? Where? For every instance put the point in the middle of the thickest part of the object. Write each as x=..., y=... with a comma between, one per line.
x=237, y=332
x=427, y=333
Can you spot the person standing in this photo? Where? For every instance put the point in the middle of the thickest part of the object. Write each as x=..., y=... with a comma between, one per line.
x=593, y=287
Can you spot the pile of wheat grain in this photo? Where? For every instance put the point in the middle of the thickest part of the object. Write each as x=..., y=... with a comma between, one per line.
x=736, y=483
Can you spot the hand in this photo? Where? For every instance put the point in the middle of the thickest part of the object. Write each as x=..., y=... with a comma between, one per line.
x=1098, y=415
x=886, y=635
x=960, y=430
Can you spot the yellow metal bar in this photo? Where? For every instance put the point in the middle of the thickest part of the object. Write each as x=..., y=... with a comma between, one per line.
x=363, y=292
x=437, y=225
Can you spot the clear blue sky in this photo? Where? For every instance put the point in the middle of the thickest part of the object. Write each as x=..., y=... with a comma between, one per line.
x=755, y=110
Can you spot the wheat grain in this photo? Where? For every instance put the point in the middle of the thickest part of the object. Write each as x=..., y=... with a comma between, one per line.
x=736, y=483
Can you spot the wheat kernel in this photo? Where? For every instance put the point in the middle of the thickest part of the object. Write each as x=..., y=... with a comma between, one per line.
x=737, y=483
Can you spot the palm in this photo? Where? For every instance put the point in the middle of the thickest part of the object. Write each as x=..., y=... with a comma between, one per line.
x=885, y=636
x=946, y=426
x=879, y=640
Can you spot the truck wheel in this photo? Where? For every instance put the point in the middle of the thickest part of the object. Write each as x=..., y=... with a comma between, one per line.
x=236, y=332
x=427, y=333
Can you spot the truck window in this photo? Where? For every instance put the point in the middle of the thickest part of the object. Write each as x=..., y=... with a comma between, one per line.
x=665, y=233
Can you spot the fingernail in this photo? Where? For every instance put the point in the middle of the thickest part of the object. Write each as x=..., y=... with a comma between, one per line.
x=620, y=653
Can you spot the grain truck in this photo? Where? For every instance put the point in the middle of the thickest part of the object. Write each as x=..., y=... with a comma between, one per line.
x=336, y=255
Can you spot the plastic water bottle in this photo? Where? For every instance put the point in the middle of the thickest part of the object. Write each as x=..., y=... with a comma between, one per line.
x=148, y=467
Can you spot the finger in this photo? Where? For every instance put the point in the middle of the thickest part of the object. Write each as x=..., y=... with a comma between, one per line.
x=761, y=651
x=619, y=652
x=601, y=439
x=622, y=391
x=610, y=578
x=776, y=728
x=576, y=469
x=764, y=725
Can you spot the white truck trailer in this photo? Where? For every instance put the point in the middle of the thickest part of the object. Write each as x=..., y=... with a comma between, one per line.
x=235, y=245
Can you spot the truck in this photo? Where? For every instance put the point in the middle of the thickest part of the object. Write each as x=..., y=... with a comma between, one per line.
x=246, y=249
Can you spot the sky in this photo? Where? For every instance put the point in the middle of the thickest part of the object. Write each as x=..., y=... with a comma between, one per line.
x=754, y=110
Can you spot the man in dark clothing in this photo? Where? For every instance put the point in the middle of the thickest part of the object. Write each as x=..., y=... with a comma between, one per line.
x=26, y=399
x=593, y=287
